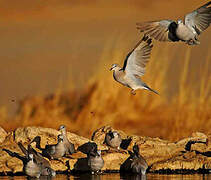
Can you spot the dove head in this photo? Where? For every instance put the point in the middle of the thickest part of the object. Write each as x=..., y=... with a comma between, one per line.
x=62, y=129
x=115, y=134
x=115, y=67
x=136, y=149
x=31, y=156
x=180, y=21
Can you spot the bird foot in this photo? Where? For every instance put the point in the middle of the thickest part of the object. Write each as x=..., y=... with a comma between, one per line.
x=121, y=150
x=116, y=150
x=133, y=92
x=110, y=150
x=193, y=42
x=99, y=172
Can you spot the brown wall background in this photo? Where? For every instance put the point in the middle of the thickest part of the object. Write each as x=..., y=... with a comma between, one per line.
x=48, y=45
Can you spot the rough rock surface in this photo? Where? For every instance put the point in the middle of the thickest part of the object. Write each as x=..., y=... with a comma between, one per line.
x=3, y=134
x=192, y=153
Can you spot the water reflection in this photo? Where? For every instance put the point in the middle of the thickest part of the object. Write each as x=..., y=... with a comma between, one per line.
x=116, y=176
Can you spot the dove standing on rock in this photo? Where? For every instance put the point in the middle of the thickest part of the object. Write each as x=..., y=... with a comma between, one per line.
x=95, y=160
x=45, y=166
x=31, y=167
x=70, y=148
x=52, y=151
x=139, y=164
x=113, y=139
x=134, y=66
x=188, y=31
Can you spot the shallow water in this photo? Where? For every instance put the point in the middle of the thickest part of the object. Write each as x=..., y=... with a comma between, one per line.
x=117, y=176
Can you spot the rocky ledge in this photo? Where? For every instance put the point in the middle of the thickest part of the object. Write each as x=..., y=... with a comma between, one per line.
x=191, y=154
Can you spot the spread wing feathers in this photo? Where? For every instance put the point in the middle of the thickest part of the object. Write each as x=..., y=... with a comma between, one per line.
x=199, y=19
x=156, y=29
x=136, y=62
x=23, y=149
x=128, y=55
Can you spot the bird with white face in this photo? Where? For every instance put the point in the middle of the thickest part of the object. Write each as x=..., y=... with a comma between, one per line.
x=188, y=31
x=134, y=66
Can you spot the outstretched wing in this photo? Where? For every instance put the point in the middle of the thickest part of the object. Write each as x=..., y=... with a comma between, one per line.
x=23, y=149
x=156, y=29
x=137, y=59
x=199, y=19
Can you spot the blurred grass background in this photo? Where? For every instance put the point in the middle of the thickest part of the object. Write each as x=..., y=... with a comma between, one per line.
x=55, y=60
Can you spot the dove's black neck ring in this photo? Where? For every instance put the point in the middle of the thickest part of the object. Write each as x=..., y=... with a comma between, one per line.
x=172, y=32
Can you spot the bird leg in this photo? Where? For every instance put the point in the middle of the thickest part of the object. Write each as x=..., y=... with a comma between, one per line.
x=110, y=150
x=133, y=92
x=118, y=150
x=189, y=42
x=121, y=150
x=100, y=172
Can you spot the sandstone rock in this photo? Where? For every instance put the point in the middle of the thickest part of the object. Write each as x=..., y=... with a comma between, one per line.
x=161, y=154
x=3, y=134
x=113, y=161
x=25, y=135
x=191, y=153
x=189, y=161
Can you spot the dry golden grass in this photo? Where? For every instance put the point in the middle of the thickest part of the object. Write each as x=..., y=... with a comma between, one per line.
x=104, y=102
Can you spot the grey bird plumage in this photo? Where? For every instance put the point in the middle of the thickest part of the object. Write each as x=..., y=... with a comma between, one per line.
x=52, y=151
x=95, y=160
x=188, y=31
x=31, y=167
x=45, y=166
x=113, y=139
x=134, y=66
x=70, y=148
x=139, y=164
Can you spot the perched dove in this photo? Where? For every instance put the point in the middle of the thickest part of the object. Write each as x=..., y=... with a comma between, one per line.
x=138, y=164
x=113, y=139
x=52, y=151
x=31, y=167
x=69, y=147
x=45, y=166
x=95, y=160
